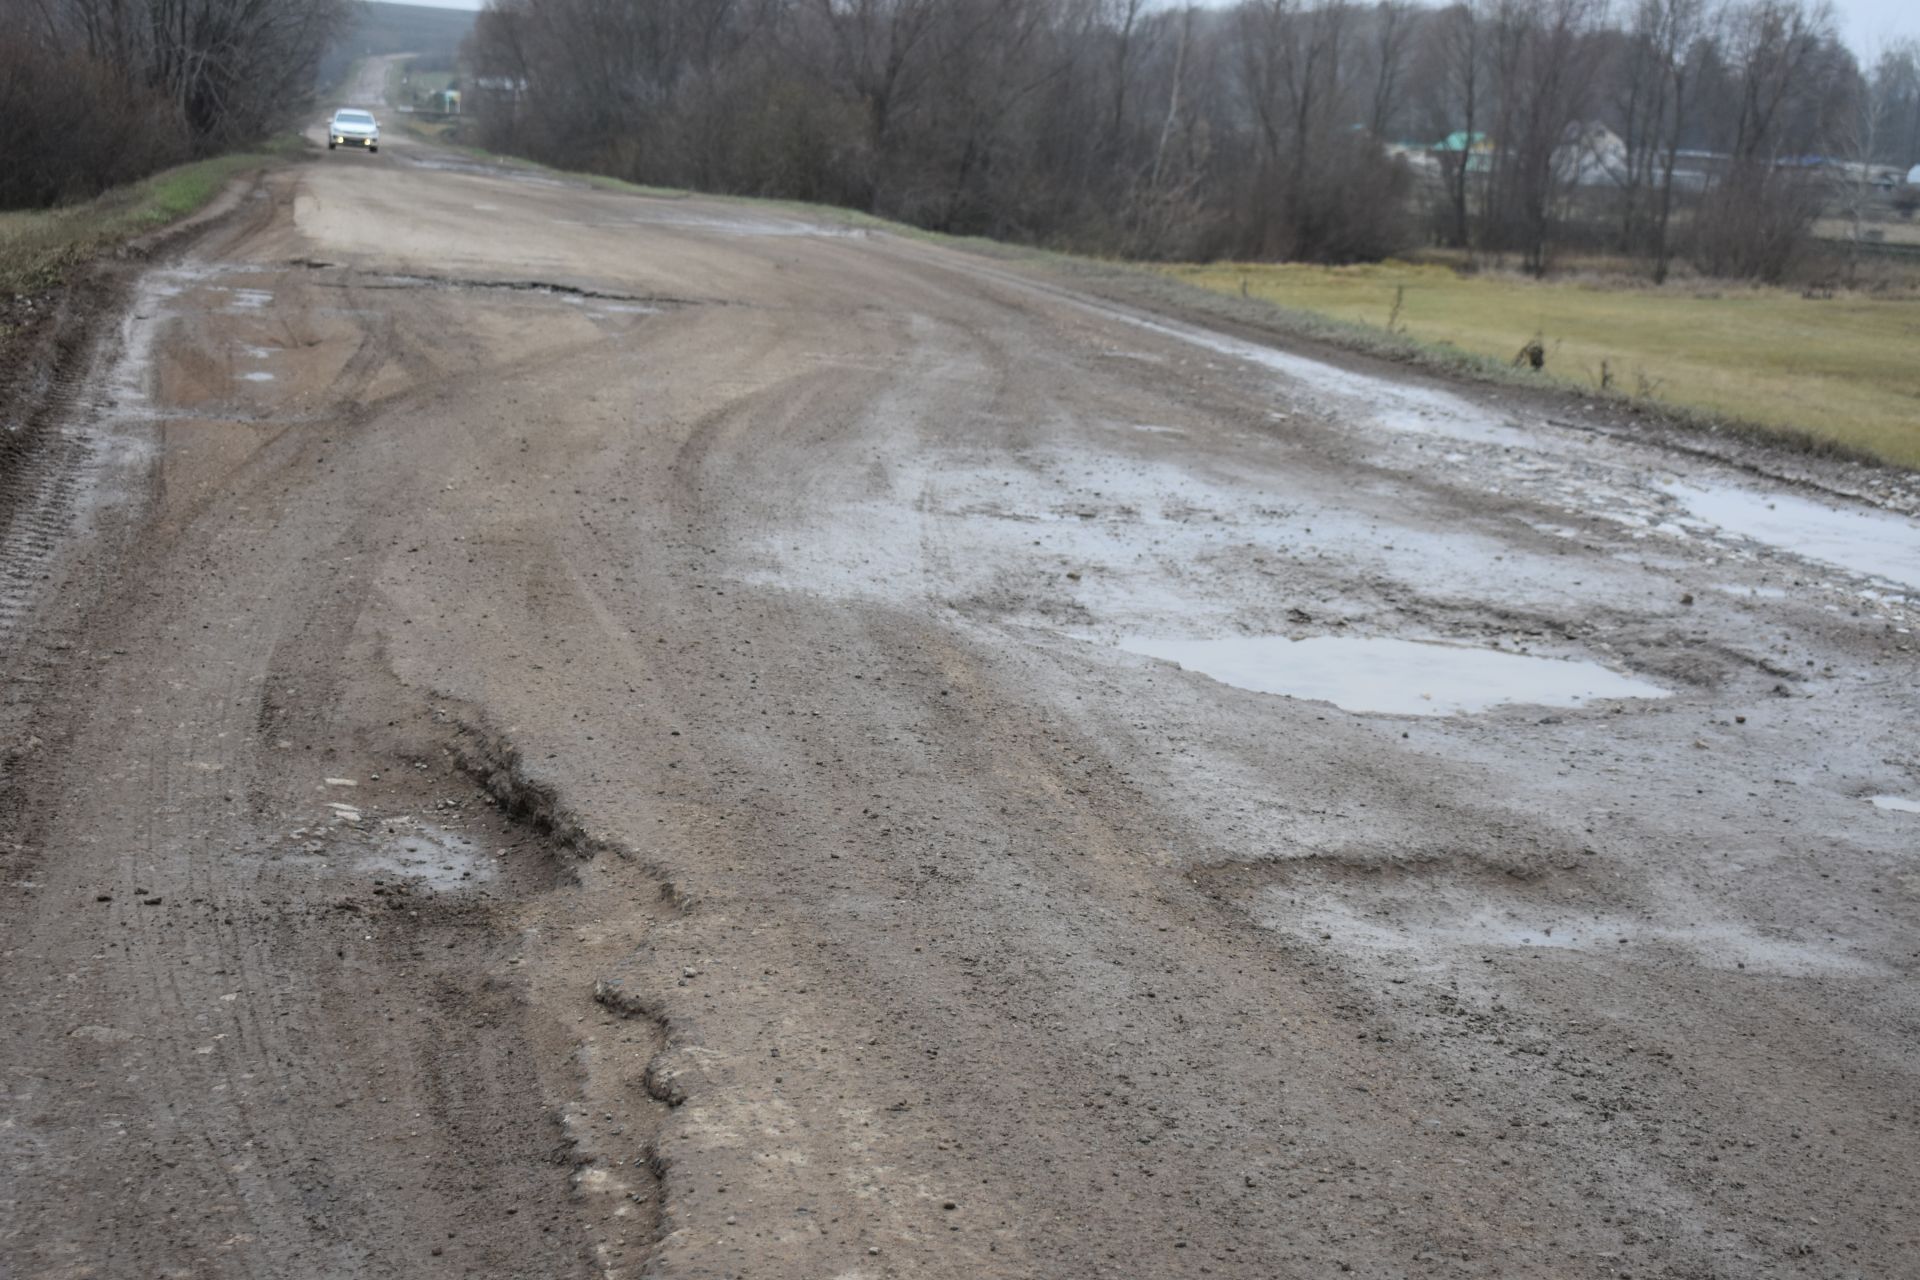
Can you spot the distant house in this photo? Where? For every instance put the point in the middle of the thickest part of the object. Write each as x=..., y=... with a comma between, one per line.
x=1591, y=155
x=1477, y=148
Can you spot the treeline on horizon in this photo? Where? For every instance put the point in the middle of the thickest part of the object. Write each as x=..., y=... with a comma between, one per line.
x=1261, y=131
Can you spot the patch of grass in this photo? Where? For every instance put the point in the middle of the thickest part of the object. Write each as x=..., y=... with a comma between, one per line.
x=1839, y=369
x=40, y=247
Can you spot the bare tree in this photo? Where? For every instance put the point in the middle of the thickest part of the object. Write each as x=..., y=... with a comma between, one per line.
x=1392, y=29
x=877, y=47
x=1780, y=62
x=1462, y=69
x=1324, y=177
x=101, y=85
x=1674, y=33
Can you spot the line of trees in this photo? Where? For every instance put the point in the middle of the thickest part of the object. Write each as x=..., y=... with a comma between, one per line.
x=1263, y=130
x=97, y=92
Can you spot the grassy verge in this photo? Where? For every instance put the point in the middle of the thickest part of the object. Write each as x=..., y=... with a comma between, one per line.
x=40, y=247
x=1837, y=369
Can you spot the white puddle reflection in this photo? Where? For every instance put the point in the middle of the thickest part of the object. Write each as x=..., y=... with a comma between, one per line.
x=1427, y=922
x=728, y=226
x=1898, y=804
x=433, y=855
x=1397, y=406
x=1877, y=544
x=1395, y=677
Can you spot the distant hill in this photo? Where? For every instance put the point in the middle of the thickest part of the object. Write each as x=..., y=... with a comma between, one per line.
x=435, y=34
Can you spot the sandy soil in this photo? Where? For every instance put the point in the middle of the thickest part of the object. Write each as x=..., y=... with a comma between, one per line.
x=551, y=732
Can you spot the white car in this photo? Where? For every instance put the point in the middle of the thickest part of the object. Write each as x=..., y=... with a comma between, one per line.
x=350, y=128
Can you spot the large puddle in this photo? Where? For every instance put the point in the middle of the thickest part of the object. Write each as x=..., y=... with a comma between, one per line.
x=1396, y=406
x=1876, y=544
x=1396, y=677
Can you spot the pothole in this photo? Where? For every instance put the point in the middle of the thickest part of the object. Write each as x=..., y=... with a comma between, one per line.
x=1388, y=676
x=1874, y=544
x=439, y=859
x=640, y=303
x=1896, y=804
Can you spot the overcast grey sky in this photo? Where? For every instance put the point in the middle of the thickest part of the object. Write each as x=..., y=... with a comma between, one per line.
x=1871, y=24
x=1867, y=24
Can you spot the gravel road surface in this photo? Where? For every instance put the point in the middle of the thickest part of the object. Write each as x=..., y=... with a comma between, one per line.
x=556, y=732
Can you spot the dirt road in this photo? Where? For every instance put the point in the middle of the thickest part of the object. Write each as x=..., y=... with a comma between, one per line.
x=552, y=732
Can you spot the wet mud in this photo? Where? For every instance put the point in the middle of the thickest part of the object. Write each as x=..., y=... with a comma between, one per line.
x=663, y=739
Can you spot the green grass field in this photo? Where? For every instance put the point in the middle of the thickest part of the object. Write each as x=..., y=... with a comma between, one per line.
x=1844, y=369
x=38, y=247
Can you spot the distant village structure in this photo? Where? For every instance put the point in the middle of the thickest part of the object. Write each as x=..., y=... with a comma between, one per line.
x=1593, y=171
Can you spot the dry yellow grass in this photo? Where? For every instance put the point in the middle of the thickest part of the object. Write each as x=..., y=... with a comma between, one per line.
x=1845, y=369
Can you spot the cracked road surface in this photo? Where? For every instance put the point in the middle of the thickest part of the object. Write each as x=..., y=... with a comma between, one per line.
x=570, y=733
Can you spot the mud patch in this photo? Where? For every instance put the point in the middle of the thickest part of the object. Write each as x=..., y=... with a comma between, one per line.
x=1395, y=677
x=1428, y=914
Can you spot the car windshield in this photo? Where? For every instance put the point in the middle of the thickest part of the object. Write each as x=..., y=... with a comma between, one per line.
x=353, y=117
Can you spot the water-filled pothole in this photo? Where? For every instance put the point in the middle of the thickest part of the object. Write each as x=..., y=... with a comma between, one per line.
x=1396, y=677
x=1875, y=544
x=439, y=858
x=1896, y=804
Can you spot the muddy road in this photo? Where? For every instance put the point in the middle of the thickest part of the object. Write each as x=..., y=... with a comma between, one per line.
x=553, y=732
